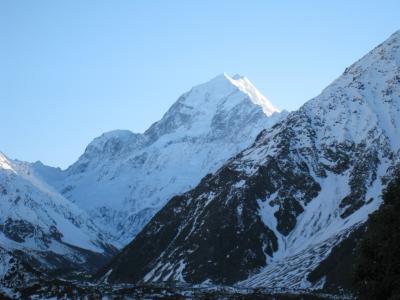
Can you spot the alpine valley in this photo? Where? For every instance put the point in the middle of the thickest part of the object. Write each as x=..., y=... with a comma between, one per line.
x=225, y=195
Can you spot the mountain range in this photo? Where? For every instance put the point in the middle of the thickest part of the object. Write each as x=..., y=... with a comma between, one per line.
x=123, y=178
x=75, y=219
x=224, y=190
x=272, y=214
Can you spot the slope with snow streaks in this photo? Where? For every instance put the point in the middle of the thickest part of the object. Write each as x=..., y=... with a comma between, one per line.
x=123, y=178
x=299, y=189
x=43, y=227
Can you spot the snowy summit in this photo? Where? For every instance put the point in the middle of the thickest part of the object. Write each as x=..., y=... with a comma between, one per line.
x=124, y=178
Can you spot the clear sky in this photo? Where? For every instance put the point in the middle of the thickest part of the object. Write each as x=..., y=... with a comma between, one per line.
x=71, y=70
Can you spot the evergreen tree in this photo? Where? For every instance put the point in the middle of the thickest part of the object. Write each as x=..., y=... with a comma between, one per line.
x=377, y=272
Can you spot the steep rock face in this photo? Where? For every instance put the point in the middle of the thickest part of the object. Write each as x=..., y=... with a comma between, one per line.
x=198, y=226
x=281, y=205
x=123, y=178
x=42, y=228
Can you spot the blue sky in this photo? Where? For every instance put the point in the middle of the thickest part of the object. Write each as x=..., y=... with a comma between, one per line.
x=71, y=70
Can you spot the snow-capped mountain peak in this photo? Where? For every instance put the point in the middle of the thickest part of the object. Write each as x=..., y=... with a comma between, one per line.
x=4, y=163
x=225, y=84
x=113, y=142
x=123, y=178
x=282, y=204
x=244, y=85
x=208, y=106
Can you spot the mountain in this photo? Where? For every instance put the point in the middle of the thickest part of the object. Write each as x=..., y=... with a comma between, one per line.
x=278, y=210
x=123, y=178
x=13, y=274
x=41, y=228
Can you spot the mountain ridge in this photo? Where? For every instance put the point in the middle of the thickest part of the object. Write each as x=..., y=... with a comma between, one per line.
x=283, y=203
x=123, y=178
x=42, y=228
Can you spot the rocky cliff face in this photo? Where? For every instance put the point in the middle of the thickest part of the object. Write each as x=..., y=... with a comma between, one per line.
x=272, y=213
x=123, y=178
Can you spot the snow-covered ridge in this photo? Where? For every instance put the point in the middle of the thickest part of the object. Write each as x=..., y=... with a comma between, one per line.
x=123, y=178
x=244, y=84
x=37, y=220
x=282, y=204
x=348, y=138
x=367, y=92
x=4, y=163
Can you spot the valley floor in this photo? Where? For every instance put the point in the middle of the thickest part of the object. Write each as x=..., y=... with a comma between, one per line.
x=58, y=289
